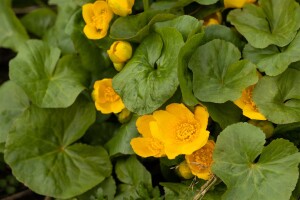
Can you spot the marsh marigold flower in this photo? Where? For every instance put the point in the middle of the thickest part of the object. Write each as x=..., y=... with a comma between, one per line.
x=119, y=53
x=106, y=99
x=201, y=160
x=236, y=3
x=121, y=7
x=97, y=17
x=146, y=145
x=182, y=131
x=248, y=106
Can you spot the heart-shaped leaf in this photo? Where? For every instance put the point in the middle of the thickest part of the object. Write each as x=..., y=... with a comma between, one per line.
x=271, y=22
x=218, y=75
x=150, y=78
x=48, y=81
x=41, y=153
x=272, y=177
x=278, y=98
x=274, y=60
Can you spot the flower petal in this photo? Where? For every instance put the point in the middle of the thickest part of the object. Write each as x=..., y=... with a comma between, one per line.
x=180, y=111
x=88, y=13
x=146, y=147
x=91, y=32
x=202, y=116
x=142, y=124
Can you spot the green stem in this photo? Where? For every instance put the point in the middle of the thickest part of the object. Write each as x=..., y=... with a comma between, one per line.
x=146, y=4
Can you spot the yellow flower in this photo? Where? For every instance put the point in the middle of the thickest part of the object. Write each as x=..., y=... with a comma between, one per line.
x=236, y=3
x=201, y=160
x=119, y=53
x=147, y=145
x=248, y=106
x=97, y=17
x=121, y=7
x=182, y=131
x=106, y=99
x=215, y=18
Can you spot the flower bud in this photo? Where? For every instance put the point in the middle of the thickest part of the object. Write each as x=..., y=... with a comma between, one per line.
x=215, y=18
x=184, y=171
x=119, y=53
x=121, y=7
x=124, y=116
x=266, y=126
x=236, y=3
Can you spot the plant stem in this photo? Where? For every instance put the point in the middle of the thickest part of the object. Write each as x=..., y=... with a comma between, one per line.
x=19, y=195
x=146, y=4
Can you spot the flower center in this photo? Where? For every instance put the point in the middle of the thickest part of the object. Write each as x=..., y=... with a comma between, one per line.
x=203, y=158
x=185, y=131
x=110, y=95
x=99, y=21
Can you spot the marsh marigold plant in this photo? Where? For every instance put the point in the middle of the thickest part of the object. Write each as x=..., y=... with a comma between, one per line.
x=97, y=17
x=177, y=129
x=105, y=97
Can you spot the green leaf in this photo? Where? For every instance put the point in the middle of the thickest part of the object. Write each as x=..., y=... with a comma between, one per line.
x=224, y=114
x=12, y=33
x=135, y=28
x=41, y=149
x=39, y=21
x=91, y=56
x=57, y=36
x=120, y=143
x=150, y=78
x=289, y=132
x=186, y=25
x=130, y=171
x=274, y=60
x=272, y=177
x=272, y=22
x=105, y=190
x=278, y=98
x=206, y=2
x=184, y=74
x=218, y=75
x=224, y=33
x=13, y=103
x=177, y=191
x=47, y=80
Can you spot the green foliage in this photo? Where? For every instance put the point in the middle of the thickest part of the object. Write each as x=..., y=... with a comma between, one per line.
x=47, y=80
x=12, y=33
x=150, y=77
x=120, y=143
x=41, y=149
x=218, y=75
x=274, y=60
x=39, y=21
x=278, y=97
x=246, y=176
x=136, y=27
x=13, y=103
x=272, y=22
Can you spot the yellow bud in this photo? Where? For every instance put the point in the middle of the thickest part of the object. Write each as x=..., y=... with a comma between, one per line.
x=121, y=7
x=118, y=66
x=124, y=116
x=120, y=52
x=184, y=170
x=266, y=126
x=215, y=18
x=236, y=3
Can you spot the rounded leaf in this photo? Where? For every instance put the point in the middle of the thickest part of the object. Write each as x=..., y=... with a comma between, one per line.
x=218, y=75
x=237, y=149
x=41, y=153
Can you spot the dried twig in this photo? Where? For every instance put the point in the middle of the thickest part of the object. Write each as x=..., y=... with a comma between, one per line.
x=18, y=195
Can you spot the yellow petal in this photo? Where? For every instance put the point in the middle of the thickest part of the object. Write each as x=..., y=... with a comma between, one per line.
x=120, y=52
x=234, y=3
x=202, y=116
x=88, y=13
x=142, y=124
x=180, y=111
x=121, y=7
x=93, y=33
x=146, y=147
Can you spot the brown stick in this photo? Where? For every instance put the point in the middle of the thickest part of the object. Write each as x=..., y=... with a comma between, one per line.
x=18, y=195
